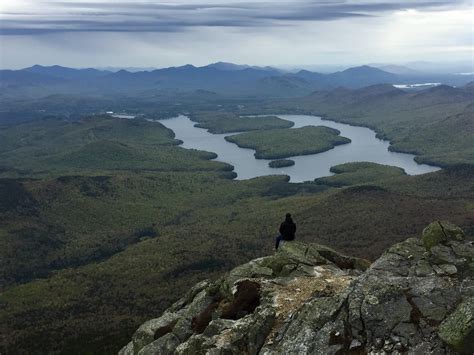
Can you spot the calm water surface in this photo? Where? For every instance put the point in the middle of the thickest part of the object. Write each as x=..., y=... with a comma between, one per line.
x=364, y=147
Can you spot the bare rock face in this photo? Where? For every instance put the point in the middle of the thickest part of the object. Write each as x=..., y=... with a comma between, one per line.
x=417, y=298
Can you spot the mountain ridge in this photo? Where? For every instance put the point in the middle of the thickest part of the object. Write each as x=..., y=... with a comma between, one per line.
x=227, y=78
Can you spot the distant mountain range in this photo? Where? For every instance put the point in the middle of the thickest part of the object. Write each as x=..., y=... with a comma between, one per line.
x=223, y=78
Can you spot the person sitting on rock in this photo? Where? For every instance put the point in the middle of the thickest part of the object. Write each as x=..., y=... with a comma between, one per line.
x=287, y=230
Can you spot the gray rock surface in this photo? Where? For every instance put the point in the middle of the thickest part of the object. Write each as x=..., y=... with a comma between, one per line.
x=417, y=298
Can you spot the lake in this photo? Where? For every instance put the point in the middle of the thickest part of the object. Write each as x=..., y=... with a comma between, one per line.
x=364, y=147
x=416, y=86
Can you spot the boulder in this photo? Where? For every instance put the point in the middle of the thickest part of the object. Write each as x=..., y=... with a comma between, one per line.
x=457, y=329
x=342, y=261
x=441, y=232
x=300, y=253
x=162, y=346
x=153, y=329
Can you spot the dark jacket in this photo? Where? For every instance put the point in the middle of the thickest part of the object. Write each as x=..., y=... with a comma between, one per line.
x=288, y=229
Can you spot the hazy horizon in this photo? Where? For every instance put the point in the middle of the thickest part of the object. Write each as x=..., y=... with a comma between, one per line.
x=284, y=34
x=421, y=67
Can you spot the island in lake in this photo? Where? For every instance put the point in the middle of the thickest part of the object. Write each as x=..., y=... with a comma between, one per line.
x=232, y=123
x=281, y=163
x=284, y=143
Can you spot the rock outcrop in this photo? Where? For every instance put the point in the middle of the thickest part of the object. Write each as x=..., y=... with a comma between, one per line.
x=417, y=298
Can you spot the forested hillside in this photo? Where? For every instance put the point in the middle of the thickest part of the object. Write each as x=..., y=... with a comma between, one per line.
x=435, y=124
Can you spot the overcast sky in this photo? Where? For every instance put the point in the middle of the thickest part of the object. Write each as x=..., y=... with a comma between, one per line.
x=104, y=33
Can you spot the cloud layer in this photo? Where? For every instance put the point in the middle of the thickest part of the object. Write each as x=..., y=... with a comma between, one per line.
x=261, y=32
x=39, y=17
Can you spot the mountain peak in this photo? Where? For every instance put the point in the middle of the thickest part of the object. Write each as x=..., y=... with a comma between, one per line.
x=309, y=299
x=364, y=69
x=227, y=66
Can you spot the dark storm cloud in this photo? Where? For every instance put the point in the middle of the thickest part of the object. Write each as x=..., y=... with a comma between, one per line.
x=107, y=16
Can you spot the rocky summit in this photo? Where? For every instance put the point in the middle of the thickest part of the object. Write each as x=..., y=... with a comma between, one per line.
x=417, y=298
